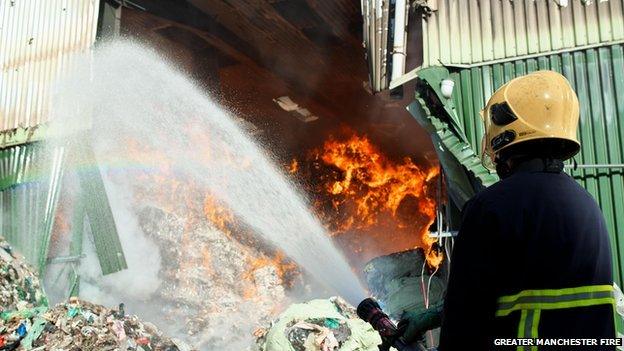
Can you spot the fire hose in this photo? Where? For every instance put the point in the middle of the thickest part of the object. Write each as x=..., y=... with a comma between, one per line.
x=391, y=335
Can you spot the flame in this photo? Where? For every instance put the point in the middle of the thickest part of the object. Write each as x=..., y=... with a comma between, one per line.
x=175, y=193
x=294, y=166
x=284, y=267
x=376, y=206
x=217, y=214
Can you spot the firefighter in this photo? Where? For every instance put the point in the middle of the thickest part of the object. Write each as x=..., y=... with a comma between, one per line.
x=532, y=257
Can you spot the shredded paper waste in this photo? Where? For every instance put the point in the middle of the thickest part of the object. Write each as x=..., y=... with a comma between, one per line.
x=27, y=323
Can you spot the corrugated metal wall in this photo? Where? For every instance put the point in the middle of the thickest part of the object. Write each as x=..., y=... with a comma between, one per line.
x=597, y=75
x=472, y=31
x=29, y=186
x=37, y=41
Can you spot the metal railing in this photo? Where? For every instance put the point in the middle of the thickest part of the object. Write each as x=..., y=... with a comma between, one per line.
x=594, y=166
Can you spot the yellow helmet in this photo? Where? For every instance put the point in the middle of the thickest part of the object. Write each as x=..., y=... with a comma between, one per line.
x=539, y=105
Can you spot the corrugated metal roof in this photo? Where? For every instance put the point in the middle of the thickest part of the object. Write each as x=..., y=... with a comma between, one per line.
x=454, y=154
x=37, y=39
x=472, y=31
x=597, y=75
x=438, y=116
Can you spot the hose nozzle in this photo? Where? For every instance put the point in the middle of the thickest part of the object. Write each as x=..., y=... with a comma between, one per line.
x=370, y=311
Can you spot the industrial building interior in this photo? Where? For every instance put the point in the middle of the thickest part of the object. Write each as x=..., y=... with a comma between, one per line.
x=240, y=175
x=249, y=55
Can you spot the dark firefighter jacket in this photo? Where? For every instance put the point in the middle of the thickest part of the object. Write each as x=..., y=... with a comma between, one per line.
x=536, y=229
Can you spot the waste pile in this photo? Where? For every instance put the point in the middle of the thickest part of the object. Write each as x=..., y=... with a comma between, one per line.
x=19, y=285
x=80, y=325
x=21, y=296
x=215, y=291
x=27, y=323
x=318, y=325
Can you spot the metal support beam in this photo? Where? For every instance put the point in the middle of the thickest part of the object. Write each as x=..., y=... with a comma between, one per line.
x=65, y=259
x=98, y=211
x=20, y=136
x=109, y=21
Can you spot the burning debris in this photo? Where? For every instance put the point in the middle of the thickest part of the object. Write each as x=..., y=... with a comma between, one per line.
x=211, y=277
x=372, y=204
x=217, y=279
x=318, y=325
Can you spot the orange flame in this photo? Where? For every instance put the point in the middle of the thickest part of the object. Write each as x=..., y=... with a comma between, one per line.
x=377, y=206
x=294, y=166
x=175, y=193
x=284, y=267
x=217, y=214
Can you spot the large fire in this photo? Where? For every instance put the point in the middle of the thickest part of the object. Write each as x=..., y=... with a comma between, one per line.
x=372, y=205
x=178, y=194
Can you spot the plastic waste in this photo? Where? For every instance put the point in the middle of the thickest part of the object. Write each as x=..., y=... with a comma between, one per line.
x=319, y=325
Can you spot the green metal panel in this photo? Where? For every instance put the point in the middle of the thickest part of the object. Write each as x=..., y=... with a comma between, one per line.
x=445, y=142
x=100, y=216
x=29, y=186
x=30, y=182
x=439, y=116
x=597, y=75
x=502, y=29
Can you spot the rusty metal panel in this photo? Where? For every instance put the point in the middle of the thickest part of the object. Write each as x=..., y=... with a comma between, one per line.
x=37, y=41
x=475, y=31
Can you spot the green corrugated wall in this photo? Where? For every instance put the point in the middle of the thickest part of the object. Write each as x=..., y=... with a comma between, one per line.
x=29, y=185
x=597, y=75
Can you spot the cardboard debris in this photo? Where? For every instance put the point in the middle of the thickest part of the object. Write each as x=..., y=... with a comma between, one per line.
x=318, y=325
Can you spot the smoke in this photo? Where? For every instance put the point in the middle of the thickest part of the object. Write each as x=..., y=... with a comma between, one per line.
x=140, y=281
x=162, y=145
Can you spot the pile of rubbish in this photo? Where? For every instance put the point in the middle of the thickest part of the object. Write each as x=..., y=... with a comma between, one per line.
x=212, y=264
x=82, y=325
x=19, y=285
x=27, y=323
x=318, y=325
x=21, y=296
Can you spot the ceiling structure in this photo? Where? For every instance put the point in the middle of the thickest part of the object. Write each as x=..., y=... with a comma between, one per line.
x=248, y=53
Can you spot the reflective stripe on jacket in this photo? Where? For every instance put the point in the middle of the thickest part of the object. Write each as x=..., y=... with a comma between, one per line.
x=529, y=248
x=531, y=303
